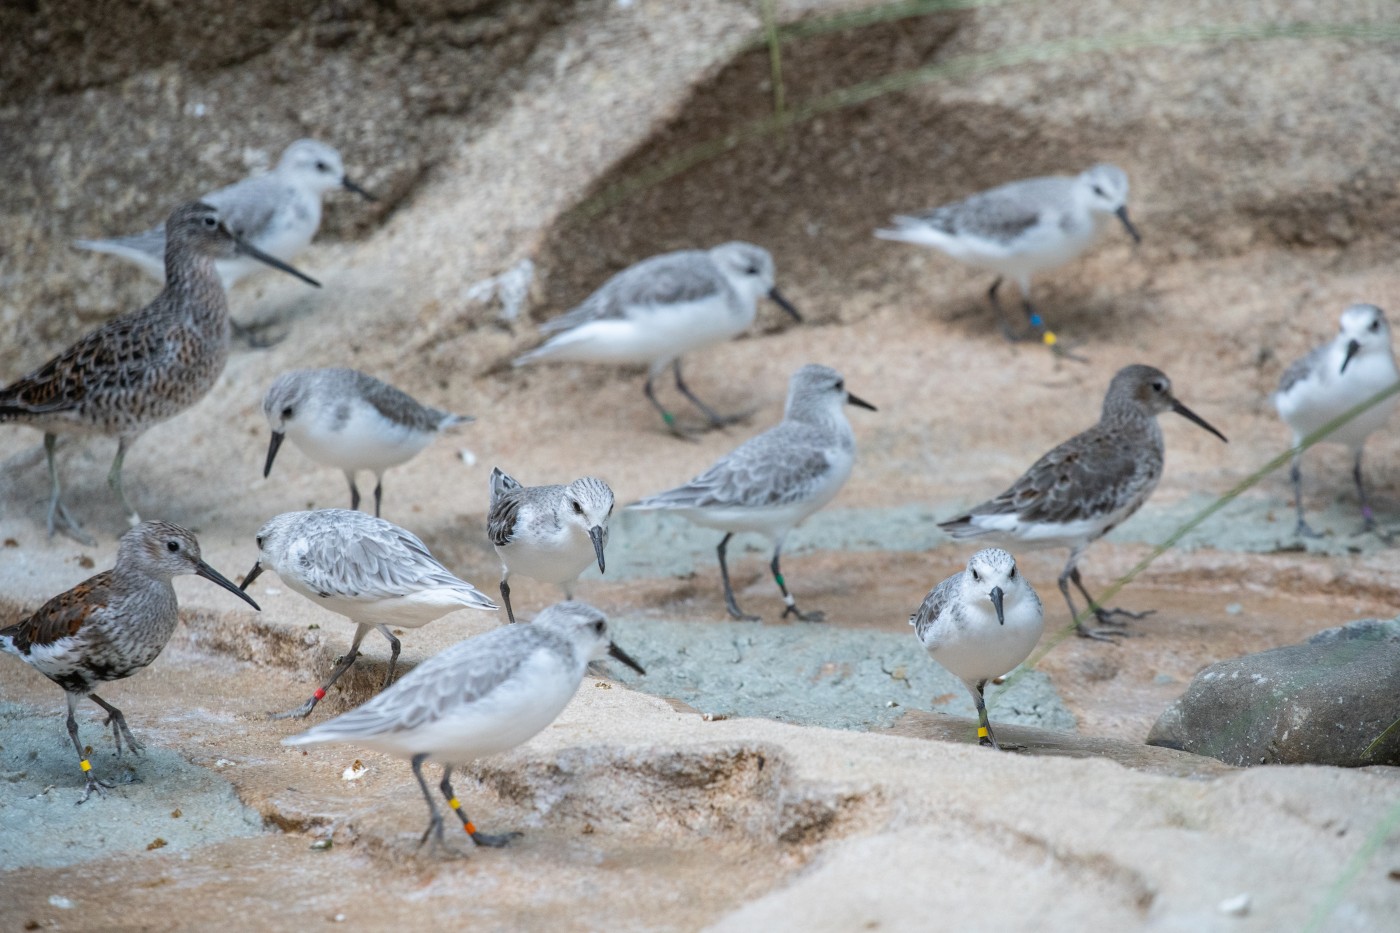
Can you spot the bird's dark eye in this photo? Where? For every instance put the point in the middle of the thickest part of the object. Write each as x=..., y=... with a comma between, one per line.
x=172, y=546
x=287, y=412
x=1012, y=574
x=752, y=270
x=210, y=221
x=259, y=540
x=1099, y=191
x=840, y=385
x=322, y=167
x=1375, y=326
x=977, y=577
x=1159, y=386
x=578, y=507
x=599, y=626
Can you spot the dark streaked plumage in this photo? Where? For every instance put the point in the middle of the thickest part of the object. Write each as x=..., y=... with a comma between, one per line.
x=111, y=625
x=141, y=368
x=1087, y=486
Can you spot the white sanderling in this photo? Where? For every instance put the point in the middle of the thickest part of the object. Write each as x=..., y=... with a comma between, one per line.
x=482, y=696
x=144, y=367
x=371, y=571
x=348, y=420
x=663, y=307
x=1087, y=486
x=772, y=482
x=979, y=624
x=1331, y=380
x=549, y=533
x=1021, y=228
x=112, y=625
x=278, y=212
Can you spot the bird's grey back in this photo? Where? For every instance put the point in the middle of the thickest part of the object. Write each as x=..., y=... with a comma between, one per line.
x=1002, y=213
x=944, y=594
x=670, y=278
x=393, y=403
x=1303, y=368
x=354, y=555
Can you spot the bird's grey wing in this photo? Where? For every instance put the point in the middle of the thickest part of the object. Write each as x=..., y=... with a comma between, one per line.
x=1001, y=214
x=669, y=279
x=932, y=606
x=397, y=405
x=121, y=355
x=1087, y=476
x=505, y=511
x=1302, y=368
x=150, y=242
x=249, y=206
x=369, y=563
x=775, y=468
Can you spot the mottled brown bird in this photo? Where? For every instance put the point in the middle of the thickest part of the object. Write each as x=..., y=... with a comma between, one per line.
x=140, y=368
x=111, y=625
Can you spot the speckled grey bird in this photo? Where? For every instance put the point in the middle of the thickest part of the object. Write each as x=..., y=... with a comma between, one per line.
x=655, y=311
x=111, y=625
x=1087, y=486
x=278, y=212
x=549, y=533
x=1023, y=227
x=482, y=696
x=772, y=482
x=371, y=571
x=979, y=624
x=143, y=367
x=348, y=420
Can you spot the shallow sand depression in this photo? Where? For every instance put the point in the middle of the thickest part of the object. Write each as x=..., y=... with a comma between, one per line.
x=774, y=775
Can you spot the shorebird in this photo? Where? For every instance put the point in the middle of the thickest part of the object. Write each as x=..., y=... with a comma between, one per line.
x=144, y=367
x=979, y=624
x=371, y=571
x=549, y=533
x=345, y=419
x=482, y=696
x=277, y=212
x=111, y=625
x=655, y=311
x=1331, y=380
x=1087, y=486
x=1021, y=228
x=772, y=482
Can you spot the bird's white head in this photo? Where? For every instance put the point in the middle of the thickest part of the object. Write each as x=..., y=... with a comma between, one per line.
x=589, y=505
x=1364, y=331
x=817, y=391
x=289, y=405
x=992, y=573
x=587, y=628
x=749, y=270
x=313, y=165
x=1104, y=190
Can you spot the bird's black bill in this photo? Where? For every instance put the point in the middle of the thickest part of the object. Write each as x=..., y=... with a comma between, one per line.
x=213, y=576
x=859, y=402
x=349, y=185
x=250, y=250
x=1352, y=347
x=996, y=596
x=616, y=652
x=252, y=575
x=596, y=533
x=1122, y=214
x=783, y=303
x=1190, y=415
x=277, y=438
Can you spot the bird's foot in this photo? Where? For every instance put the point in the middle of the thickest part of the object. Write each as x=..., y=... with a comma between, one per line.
x=253, y=336
x=739, y=615
x=496, y=841
x=1099, y=634
x=301, y=712
x=1119, y=617
x=60, y=520
x=1304, y=530
x=1063, y=349
x=94, y=786
x=815, y=615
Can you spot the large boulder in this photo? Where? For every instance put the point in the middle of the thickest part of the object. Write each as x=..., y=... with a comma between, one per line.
x=1322, y=702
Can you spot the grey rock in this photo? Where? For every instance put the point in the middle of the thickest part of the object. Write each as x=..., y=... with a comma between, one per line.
x=1327, y=701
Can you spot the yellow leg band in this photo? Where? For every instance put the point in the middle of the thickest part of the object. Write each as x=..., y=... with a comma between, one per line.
x=1050, y=338
x=455, y=804
x=85, y=765
x=981, y=732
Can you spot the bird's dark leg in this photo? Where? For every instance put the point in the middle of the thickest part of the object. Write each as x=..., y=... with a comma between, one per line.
x=985, y=736
x=378, y=494
x=1071, y=572
x=1044, y=334
x=729, y=602
x=666, y=416
x=481, y=839
x=94, y=786
x=58, y=512
x=787, y=597
x=344, y=665
x=1368, y=516
x=1106, y=616
x=354, y=491
x=114, y=479
x=435, y=818
x=1295, y=473
x=1006, y=329
x=394, y=646
x=117, y=721
x=716, y=419
x=505, y=597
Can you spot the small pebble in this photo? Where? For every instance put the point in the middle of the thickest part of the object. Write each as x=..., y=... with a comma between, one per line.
x=1234, y=609
x=1236, y=906
x=320, y=845
x=467, y=456
x=61, y=902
